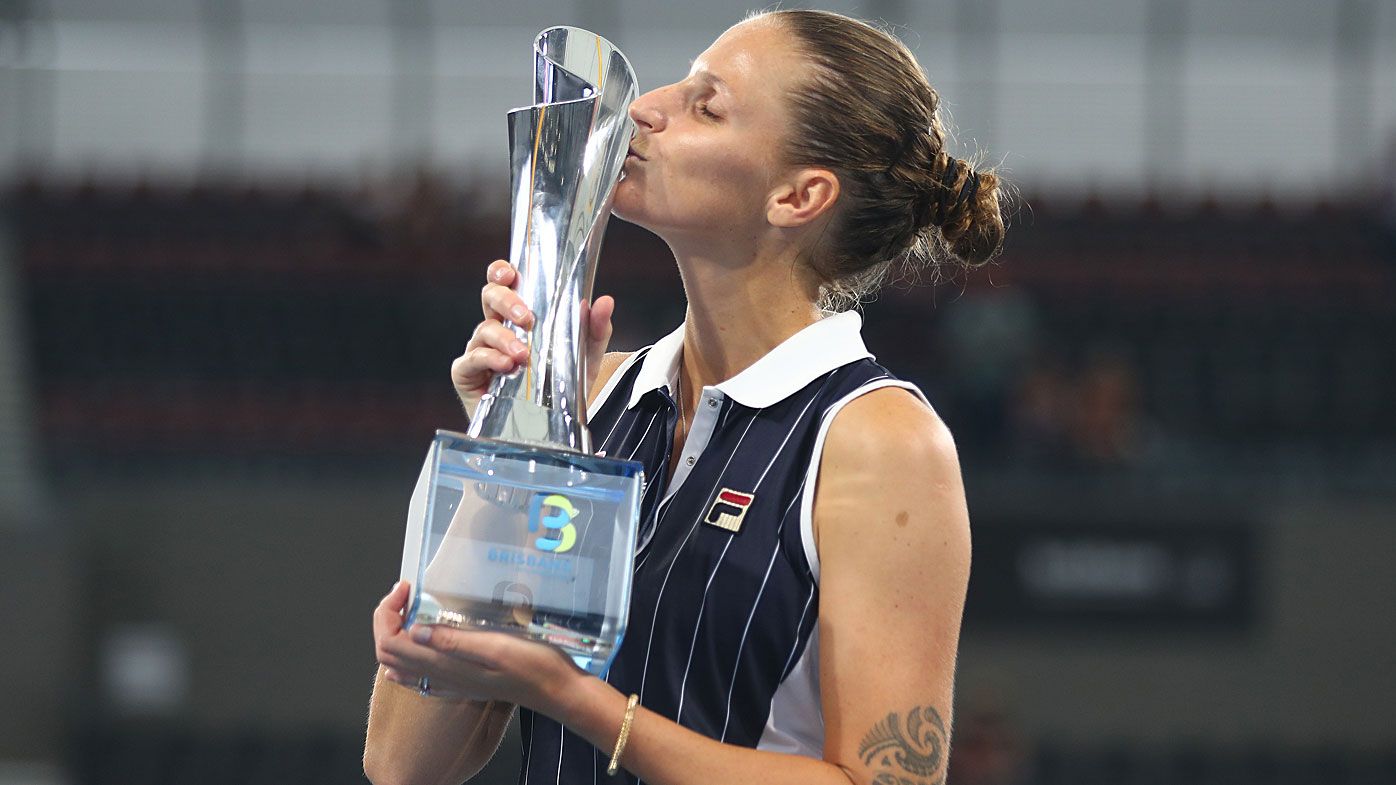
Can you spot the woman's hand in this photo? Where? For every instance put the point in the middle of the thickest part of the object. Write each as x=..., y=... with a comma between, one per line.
x=470, y=664
x=495, y=349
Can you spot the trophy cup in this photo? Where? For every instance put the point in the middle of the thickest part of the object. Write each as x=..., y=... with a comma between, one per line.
x=518, y=527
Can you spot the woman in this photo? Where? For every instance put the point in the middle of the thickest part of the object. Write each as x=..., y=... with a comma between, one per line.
x=806, y=632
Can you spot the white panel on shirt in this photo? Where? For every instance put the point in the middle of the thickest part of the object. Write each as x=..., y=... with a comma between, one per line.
x=796, y=722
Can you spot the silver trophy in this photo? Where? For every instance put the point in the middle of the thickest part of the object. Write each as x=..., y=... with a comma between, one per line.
x=518, y=526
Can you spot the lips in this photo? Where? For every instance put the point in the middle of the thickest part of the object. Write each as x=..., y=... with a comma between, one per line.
x=632, y=154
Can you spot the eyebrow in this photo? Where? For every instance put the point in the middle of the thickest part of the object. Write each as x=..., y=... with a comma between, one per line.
x=709, y=76
x=714, y=78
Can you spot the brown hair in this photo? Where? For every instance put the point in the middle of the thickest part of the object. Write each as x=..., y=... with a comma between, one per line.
x=867, y=112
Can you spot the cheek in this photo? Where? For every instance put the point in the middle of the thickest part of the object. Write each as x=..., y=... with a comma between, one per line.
x=726, y=163
x=708, y=182
x=726, y=179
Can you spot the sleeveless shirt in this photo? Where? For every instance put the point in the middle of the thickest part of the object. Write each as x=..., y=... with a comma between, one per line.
x=722, y=635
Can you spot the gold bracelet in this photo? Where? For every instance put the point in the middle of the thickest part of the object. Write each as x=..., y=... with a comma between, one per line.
x=624, y=733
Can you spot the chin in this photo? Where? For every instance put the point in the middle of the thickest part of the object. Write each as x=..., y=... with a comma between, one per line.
x=628, y=206
x=632, y=205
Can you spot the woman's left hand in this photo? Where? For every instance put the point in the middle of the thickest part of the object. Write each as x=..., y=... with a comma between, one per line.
x=475, y=664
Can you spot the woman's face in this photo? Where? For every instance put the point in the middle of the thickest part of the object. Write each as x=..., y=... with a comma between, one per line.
x=706, y=149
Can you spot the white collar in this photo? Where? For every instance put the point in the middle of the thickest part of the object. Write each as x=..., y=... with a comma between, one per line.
x=821, y=347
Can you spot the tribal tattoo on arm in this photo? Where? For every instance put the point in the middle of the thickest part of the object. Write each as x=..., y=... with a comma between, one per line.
x=913, y=752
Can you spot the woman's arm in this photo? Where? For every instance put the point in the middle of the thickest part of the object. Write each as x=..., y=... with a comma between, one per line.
x=416, y=739
x=893, y=538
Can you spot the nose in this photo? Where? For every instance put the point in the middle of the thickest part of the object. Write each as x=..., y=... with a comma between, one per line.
x=647, y=111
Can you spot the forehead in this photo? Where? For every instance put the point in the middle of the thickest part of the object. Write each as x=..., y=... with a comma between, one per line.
x=755, y=56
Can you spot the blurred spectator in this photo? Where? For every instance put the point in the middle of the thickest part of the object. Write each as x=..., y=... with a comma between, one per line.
x=1039, y=411
x=989, y=335
x=987, y=749
x=1105, y=421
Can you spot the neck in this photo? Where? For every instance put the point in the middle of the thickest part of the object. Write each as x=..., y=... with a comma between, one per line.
x=741, y=304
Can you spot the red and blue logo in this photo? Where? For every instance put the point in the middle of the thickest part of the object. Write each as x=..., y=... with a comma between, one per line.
x=728, y=510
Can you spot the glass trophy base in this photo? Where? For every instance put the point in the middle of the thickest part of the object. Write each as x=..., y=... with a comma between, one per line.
x=530, y=541
x=590, y=652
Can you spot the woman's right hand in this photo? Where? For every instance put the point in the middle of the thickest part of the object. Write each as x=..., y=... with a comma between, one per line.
x=494, y=349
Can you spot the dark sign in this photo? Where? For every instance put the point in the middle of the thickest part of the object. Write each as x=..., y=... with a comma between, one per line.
x=1159, y=576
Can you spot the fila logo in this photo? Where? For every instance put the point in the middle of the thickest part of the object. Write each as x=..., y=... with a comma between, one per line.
x=729, y=509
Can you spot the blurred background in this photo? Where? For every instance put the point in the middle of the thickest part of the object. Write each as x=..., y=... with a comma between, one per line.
x=242, y=240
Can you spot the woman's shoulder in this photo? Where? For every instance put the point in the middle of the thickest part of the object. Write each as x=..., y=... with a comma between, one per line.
x=888, y=459
x=894, y=427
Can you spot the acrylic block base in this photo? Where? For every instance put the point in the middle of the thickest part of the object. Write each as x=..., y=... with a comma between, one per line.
x=525, y=540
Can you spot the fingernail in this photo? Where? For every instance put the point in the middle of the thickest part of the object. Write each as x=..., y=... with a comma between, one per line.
x=518, y=312
x=390, y=674
x=517, y=347
x=499, y=274
x=421, y=633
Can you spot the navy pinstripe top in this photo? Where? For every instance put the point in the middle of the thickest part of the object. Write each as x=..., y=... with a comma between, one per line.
x=722, y=635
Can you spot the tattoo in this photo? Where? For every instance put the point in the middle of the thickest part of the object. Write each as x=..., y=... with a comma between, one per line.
x=910, y=754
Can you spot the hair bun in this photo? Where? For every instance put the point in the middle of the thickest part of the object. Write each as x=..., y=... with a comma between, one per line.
x=864, y=109
x=939, y=198
x=969, y=214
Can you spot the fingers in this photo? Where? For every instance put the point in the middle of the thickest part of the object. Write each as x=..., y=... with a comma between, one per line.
x=500, y=271
x=399, y=594
x=477, y=648
x=405, y=661
x=472, y=371
x=501, y=339
x=493, y=349
x=499, y=301
x=387, y=617
x=387, y=622
x=408, y=659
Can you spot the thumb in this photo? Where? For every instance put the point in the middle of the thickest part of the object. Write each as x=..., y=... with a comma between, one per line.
x=399, y=595
x=598, y=321
x=599, y=326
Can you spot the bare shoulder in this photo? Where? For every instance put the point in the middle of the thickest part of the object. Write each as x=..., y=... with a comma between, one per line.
x=888, y=457
x=894, y=431
x=609, y=363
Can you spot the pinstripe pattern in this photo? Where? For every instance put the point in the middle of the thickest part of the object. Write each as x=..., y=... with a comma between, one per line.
x=683, y=683
x=746, y=628
x=717, y=619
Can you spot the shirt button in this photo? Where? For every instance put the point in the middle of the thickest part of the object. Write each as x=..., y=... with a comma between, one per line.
x=712, y=401
x=691, y=459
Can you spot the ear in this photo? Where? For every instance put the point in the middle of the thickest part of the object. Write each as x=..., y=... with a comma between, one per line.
x=806, y=195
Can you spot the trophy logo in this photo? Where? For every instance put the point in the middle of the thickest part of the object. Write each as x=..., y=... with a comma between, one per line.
x=729, y=509
x=555, y=512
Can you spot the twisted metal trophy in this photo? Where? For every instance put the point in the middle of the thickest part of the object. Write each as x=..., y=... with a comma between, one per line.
x=517, y=527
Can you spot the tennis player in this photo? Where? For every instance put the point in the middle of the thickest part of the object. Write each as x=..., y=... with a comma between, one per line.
x=804, y=542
